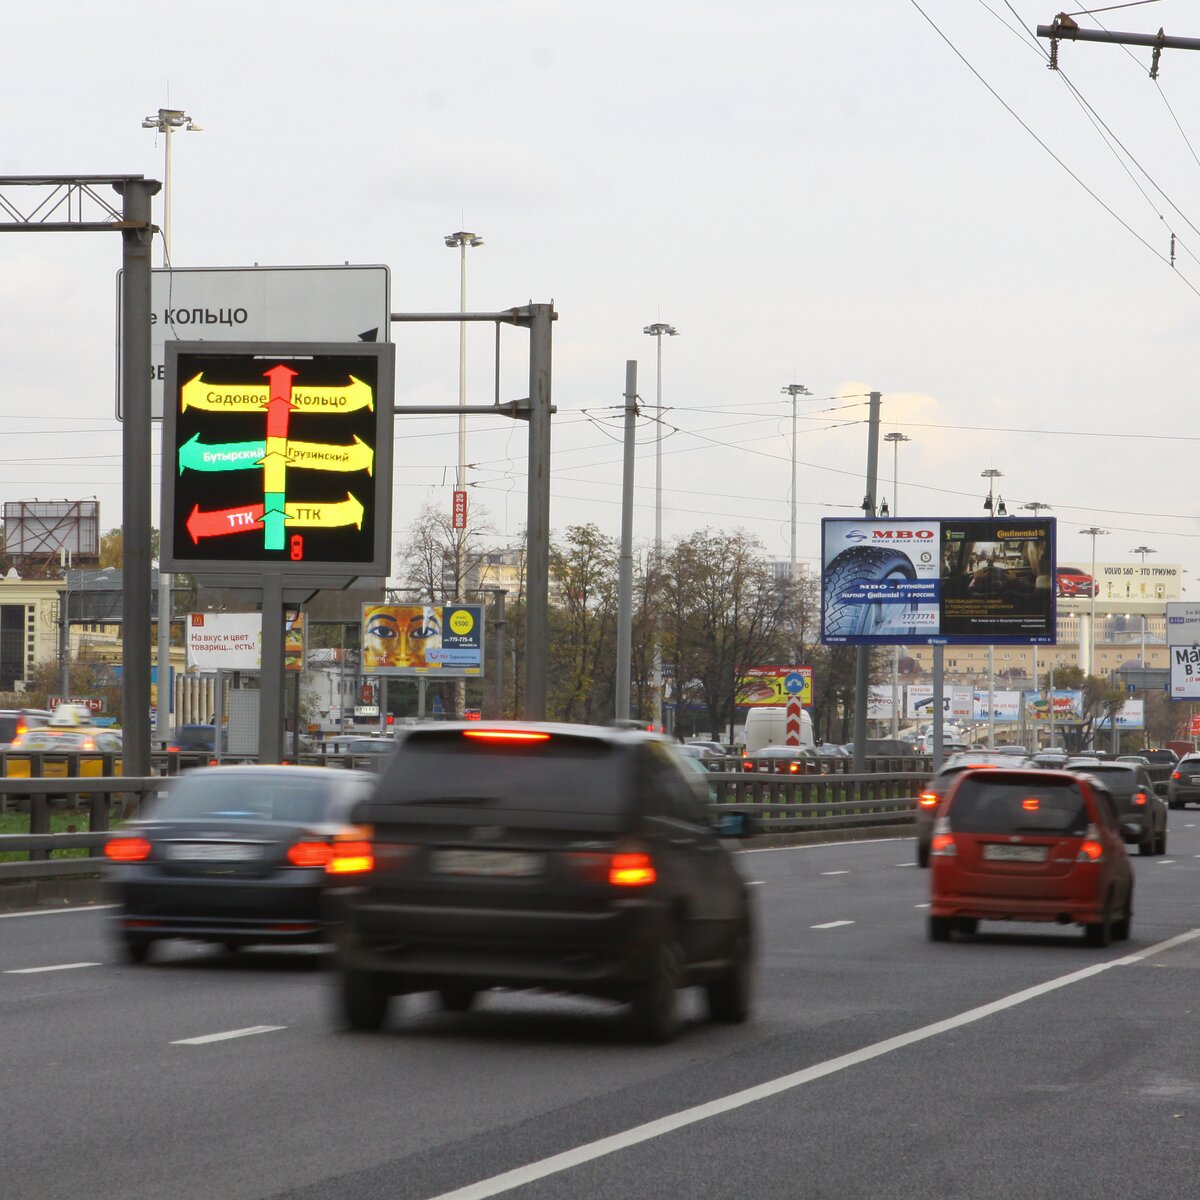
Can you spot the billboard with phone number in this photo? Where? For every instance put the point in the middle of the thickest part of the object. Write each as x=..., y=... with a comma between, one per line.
x=962, y=581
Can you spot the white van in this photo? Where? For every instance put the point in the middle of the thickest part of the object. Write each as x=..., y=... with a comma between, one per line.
x=768, y=727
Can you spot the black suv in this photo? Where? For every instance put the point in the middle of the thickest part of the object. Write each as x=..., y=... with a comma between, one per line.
x=569, y=857
x=1184, y=784
x=1141, y=810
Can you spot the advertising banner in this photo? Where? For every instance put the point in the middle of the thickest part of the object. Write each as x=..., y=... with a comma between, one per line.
x=1183, y=624
x=1068, y=706
x=1185, y=672
x=1117, y=587
x=937, y=581
x=879, y=702
x=1131, y=715
x=1005, y=706
x=771, y=686
x=224, y=641
x=423, y=639
x=957, y=702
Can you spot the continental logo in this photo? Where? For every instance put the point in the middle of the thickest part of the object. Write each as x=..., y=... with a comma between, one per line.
x=1003, y=535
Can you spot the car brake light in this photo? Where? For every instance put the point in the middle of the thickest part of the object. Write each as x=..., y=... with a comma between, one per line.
x=1139, y=797
x=506, y=735
x=1031, y=804
x=928, y=799
x=631, y=870
x=127, y=849
x=1174, y=774
x=351, y=854
x=15, y=744
x=308, y=854
x=942, y=843
x=1090, y=849
x=793, y=767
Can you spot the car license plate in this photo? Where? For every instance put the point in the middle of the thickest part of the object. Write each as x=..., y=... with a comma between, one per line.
x=1001, y=853
x=213, y=852
x=511, y=863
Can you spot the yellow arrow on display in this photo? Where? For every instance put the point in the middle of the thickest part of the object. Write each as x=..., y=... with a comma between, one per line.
x=353, y=396
x=224, y=397
x=340, y=512
x=320, y=456
x=274, y=464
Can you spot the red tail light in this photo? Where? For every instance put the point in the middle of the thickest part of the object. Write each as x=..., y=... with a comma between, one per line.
x=351, y=854
x=794, y=767
x=928, y=799
x=1139, y=797
x=943, y=845
x=1090, y=849
x=631, y=870
x=506, y=735
x=127, y=849
x=309, y=854
x=1174, y=774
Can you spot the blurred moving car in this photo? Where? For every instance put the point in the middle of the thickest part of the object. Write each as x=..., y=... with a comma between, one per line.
x=1183, y=787
x=1142, y=811
x=200, y=739
x=698, y=753
x=16, y=721
x=715, y=747
x=234, y=855
x=1140, y=759
x=784, y=760
x=1161, y=757
x=832, y=750
x=934, y=792
x=1029, y=845
x=1053, y=757
x=568, y=857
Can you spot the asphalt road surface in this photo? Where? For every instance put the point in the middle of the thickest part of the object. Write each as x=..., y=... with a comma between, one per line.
x=877, y=1064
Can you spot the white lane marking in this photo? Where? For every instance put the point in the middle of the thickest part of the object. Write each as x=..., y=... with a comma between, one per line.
x=819, y=845
x=55, y=912
x=224, y=1037
x=1162, y=862
x=760, y=882
x=906, y=864
x=591, y=1151
x=831, y=924
x=835, y=872
x=39, y=970
x=925, y=905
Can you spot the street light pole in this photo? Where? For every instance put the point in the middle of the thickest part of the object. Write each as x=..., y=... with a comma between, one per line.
x=657, y=330
x=1037, y=508
x=996, y=510
x=795, y=390
x=1093, y=532
x=166, y=121
x=895, y=438
x=1143, y=551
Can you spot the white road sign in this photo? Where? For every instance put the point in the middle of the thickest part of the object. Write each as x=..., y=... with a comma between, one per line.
x=260, y=304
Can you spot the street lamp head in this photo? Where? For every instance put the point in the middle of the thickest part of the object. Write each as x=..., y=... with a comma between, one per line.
x=658, y=329
x=883, y=510
x=463, y=238
x=795, y=389
x=896, y=437
x=1001, y=508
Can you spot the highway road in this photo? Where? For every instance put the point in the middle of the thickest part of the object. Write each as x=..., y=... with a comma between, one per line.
x=878, y=1064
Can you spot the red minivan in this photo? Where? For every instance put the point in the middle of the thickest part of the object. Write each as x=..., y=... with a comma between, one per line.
x=1029, y=845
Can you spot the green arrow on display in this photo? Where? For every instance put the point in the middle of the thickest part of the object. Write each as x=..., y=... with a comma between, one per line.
x=195, y=455
x=274, y=517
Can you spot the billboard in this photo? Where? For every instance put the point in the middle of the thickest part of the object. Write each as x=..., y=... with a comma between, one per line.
x=1004, y=707
x=224, y=641
x=1185, y=672
x=423, y=639
x=277, y=455
x=1131, y=715
x=937, y=581
x=957, y=702
x=1117, y=587
x=771, y=686
x=1068, y=706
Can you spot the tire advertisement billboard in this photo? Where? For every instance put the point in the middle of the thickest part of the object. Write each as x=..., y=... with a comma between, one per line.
x=961, y=581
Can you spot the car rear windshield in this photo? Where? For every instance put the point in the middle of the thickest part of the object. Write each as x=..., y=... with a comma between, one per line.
x=1119, y=780
x=559, y=774
x=235, y=795
x=987, y=804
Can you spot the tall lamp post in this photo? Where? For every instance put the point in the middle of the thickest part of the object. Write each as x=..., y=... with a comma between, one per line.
x=1093, y=532
x=795, y=390
x=460, y=241
x=166, y=121
x=995, y=506
x=895, y=438
x=657, y=331
x=1037, y=508
x=1143, y=551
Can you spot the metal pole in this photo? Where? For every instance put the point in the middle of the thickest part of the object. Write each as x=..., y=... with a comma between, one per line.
x=862, y=666
x=939, y=697
x=135, y=482
x=538, y=511
x=625, y=562
x=162, y=715
x=991, y=697
x=500, y=623
x=1050, y=692
x=656, y=694
x=1025, y=731
x=792, y=543
x=270, y=703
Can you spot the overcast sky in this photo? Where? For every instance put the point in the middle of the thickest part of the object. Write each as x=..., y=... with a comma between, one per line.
x=821, y=193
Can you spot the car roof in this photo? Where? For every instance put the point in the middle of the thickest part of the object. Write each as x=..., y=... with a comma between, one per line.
x=291, y=772
x=605, y=733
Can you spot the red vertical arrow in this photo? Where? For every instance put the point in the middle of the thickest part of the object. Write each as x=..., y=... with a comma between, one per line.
x=279, y=407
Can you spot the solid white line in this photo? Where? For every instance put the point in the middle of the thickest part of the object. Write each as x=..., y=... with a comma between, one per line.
x=906, y=864
x=831, y=924
x=925, y=905
x=835, y=872
x=520, y=1176
x=39, y=970
x=1162, y=862
x=760, y=882
x=821, y=845
x=224, y=1037
x=55, y=912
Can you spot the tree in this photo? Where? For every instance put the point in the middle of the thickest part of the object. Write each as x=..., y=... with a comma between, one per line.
x=1102, y=700
x=438, y=561
x=112, y=548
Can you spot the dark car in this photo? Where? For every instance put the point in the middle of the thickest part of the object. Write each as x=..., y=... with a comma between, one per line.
x=198, y=739
x=1161, y=757
x=1142, y=812
x=784, y=760
x=233, y=855
x=934, y=792
x=568, y=857
x=1184, y=785
x=16, y=721
x=1029, y=845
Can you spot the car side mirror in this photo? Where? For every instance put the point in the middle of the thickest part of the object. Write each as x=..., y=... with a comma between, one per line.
x=733, y=823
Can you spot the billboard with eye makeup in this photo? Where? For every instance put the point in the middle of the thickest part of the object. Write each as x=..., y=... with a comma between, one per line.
x=445, y=640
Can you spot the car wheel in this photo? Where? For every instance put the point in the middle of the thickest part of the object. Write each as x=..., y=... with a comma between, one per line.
x=136, y=950
x=922, y=854
x=968, y=925
x=457, y=998
x=363, y=1000
x=1122, y=928
x=728, y=996
x=939, y=929
x=654, y=1003
x=1146, y=848
x=1160, y=845
x=1100, y=934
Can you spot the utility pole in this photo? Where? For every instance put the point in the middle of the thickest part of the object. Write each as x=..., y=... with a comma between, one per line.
x=795, y=390
x=625, y=562
x=895, y=437
x=862, y=664
x=1065, y=27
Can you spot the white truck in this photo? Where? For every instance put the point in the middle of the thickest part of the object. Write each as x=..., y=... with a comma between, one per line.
x=767, y=726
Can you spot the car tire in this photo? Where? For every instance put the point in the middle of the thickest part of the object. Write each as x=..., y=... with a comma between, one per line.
x=136, y=950
x=1100, y=934
x=1146, y=848
x=1160, y=844
x=861, y=564
x=728, y=996
x=922, y=855
x=457, y=998
x=363, y=1001
x=1122, y=928
x=654, y=1003
x=939, y=929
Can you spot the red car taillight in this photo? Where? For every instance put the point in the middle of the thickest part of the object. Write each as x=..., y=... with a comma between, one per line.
x=632, y=870
x=127, y=849
x=928, y=799
x=351, y=854
x=624, y=868
x=1139, y=798
x=309, y=854
x=943, y=840
x=1174, y=774
x=1090, y=849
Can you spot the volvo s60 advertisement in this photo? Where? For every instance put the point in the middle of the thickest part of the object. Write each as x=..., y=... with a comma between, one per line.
x=940, y=580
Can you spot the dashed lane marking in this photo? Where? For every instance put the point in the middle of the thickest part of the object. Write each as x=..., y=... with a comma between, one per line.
x=58, y=967
x=224, y=1037
x=831, y=925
